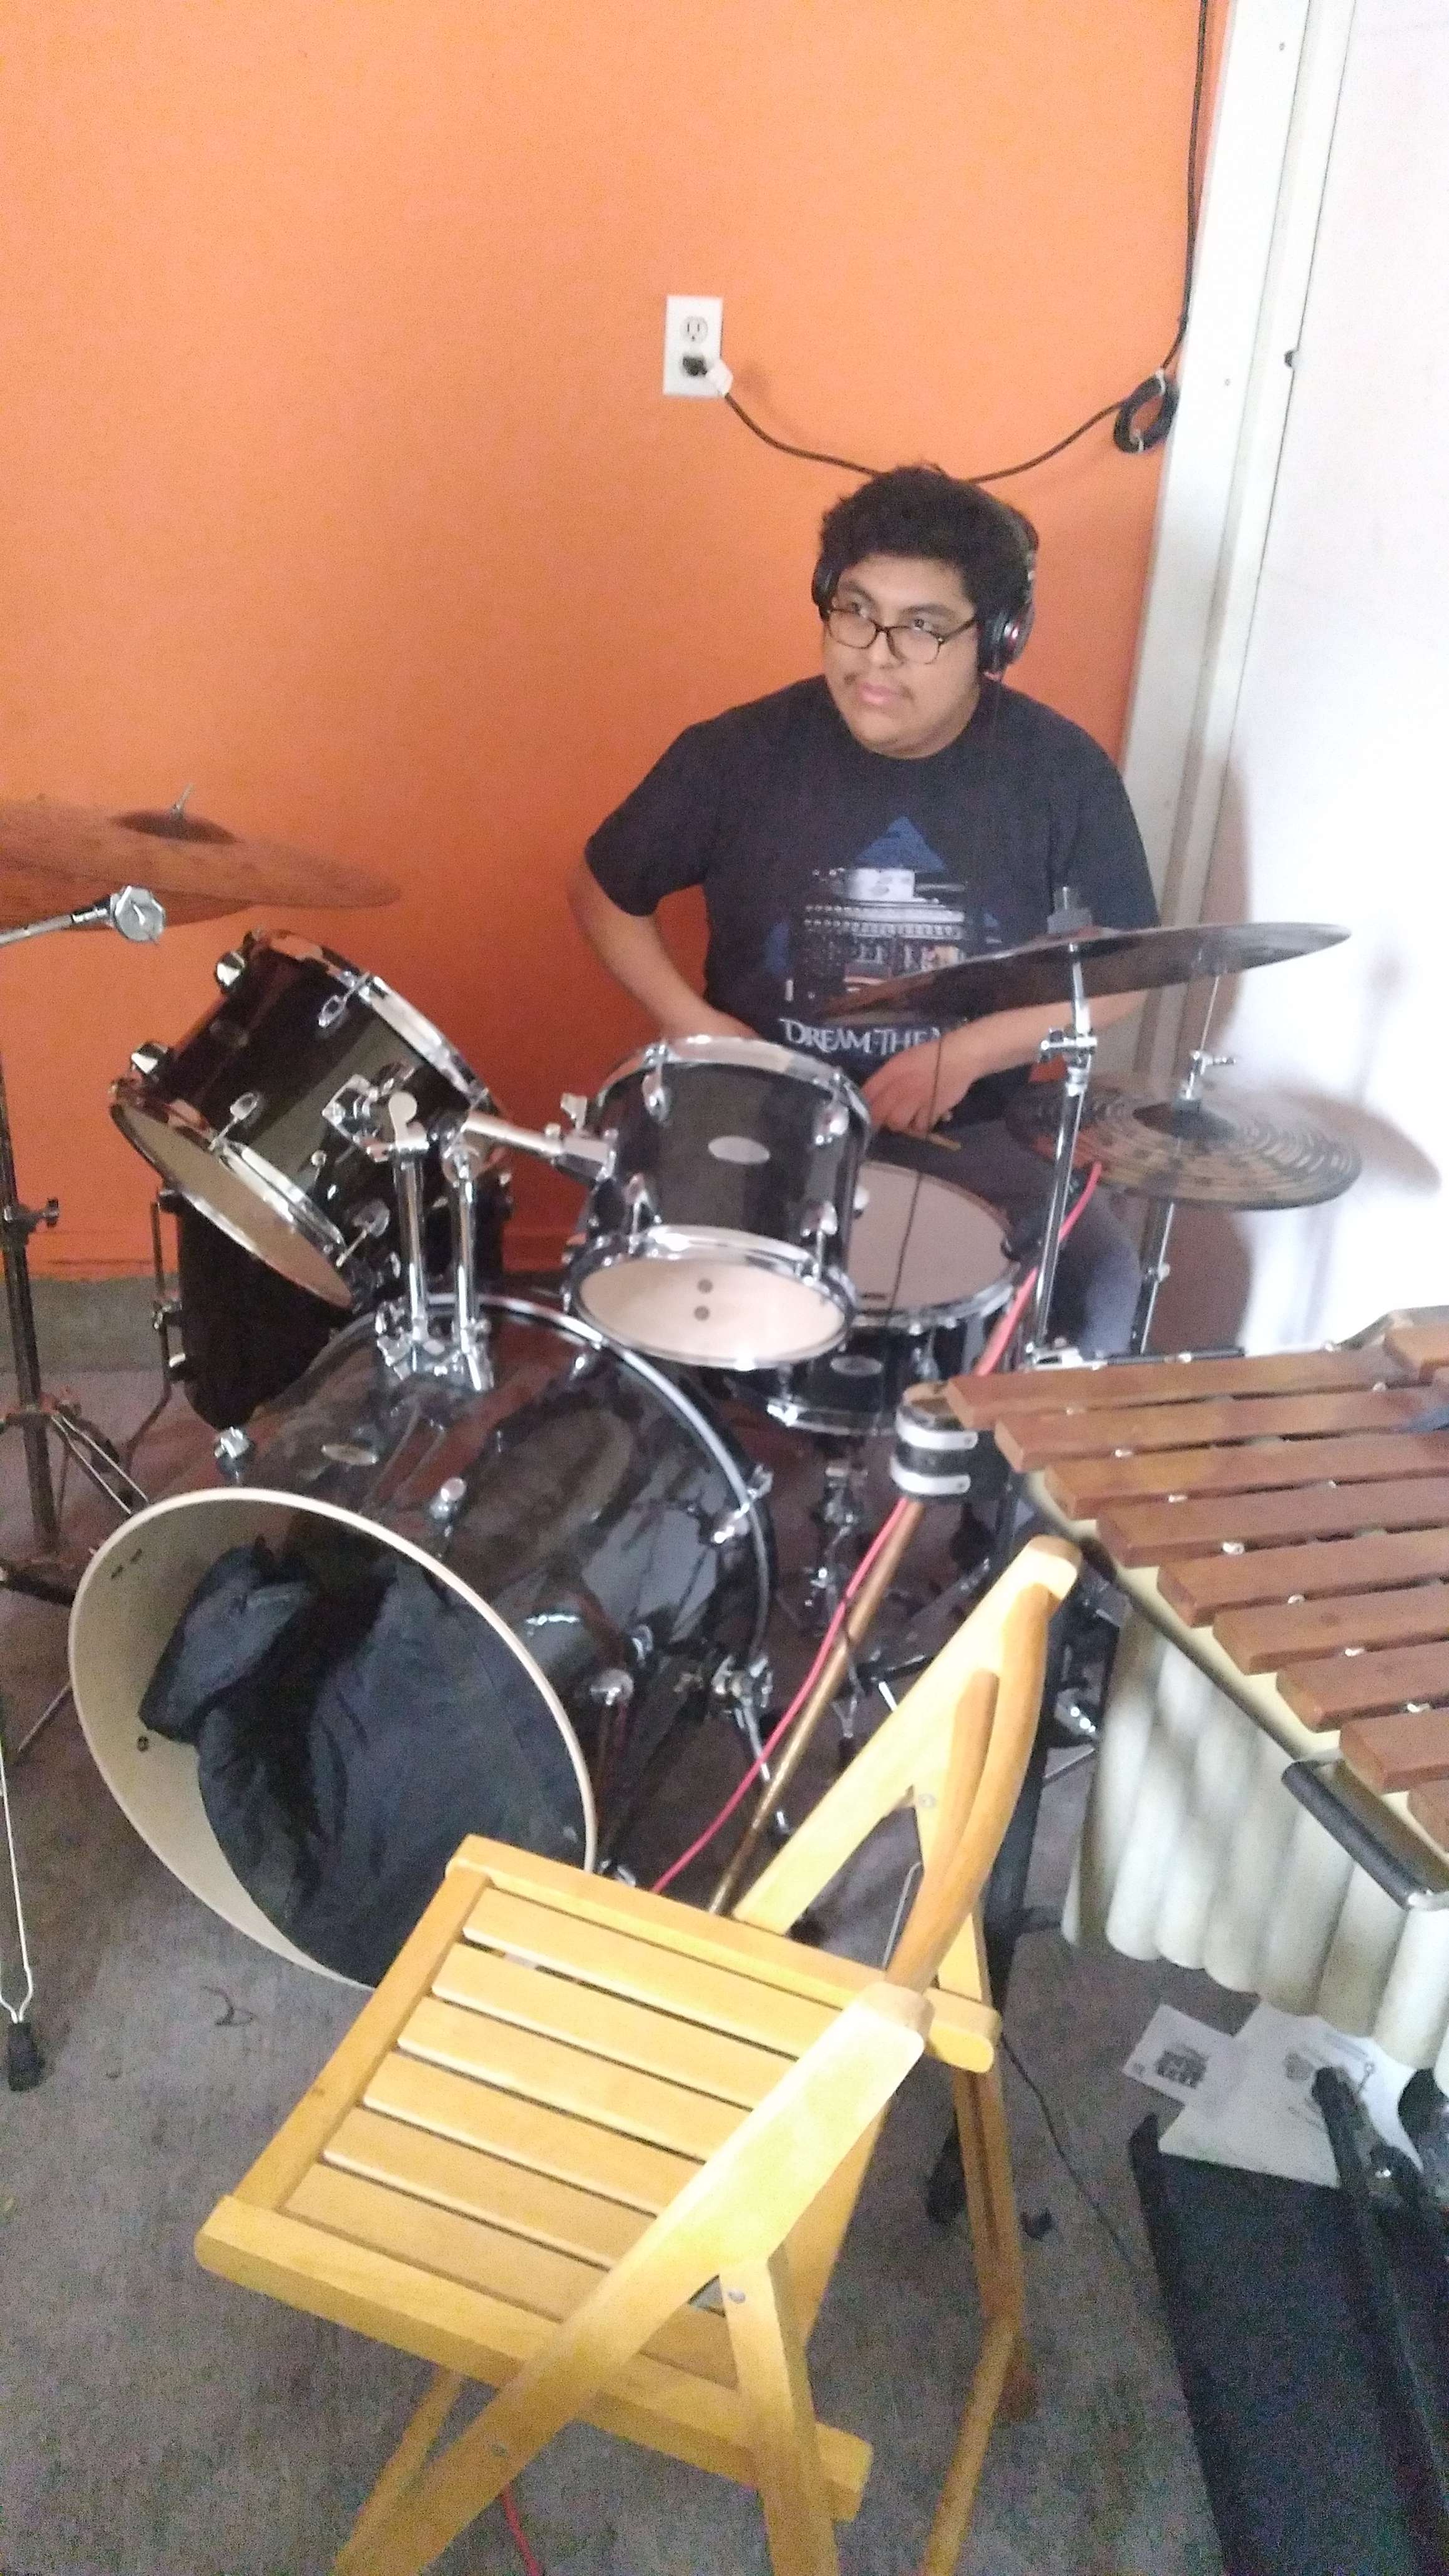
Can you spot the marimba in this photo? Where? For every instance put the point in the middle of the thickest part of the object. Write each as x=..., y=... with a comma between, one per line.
x=1282, y=1525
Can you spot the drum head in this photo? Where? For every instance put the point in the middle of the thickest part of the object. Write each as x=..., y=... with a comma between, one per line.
x=710, y=1309
x=321, y=1821
x=924, y=1248
x=242, y=1203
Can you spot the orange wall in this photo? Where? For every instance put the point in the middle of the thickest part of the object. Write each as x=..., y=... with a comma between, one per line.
x=335, y=476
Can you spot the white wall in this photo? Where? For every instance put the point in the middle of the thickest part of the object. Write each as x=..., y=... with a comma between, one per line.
x=1337, y=798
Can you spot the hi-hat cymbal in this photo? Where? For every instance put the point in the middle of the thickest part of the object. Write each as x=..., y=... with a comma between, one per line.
x=1111, y=961
x=57, y=858
x=1228, y=1149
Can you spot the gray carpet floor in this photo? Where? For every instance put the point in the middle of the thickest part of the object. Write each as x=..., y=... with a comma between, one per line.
x=157, y=2422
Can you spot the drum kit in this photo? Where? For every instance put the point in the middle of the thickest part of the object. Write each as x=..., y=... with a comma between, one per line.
x=474, y=1564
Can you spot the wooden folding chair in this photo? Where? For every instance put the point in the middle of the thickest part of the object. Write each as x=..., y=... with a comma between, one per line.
x=571, y=2109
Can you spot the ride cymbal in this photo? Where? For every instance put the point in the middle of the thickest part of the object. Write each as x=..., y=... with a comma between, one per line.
x=56, y=858
x=1111, y=961
x=1238, y=1150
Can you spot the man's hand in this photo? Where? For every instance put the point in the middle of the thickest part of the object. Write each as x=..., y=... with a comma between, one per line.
x=702, y=1022
x=913, y=1089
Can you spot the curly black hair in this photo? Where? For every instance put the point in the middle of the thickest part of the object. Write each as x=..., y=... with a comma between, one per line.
x=922, y=510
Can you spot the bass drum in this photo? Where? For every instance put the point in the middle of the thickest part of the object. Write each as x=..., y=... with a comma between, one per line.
x=418, y=1612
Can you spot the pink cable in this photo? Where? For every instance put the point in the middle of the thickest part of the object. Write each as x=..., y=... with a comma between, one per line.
x=836, y=1621
x=987, y=1362
x=520, y=2536
x=1003, y=1331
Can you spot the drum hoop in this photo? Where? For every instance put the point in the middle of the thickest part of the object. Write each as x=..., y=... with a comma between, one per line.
x=904, y=1321
x=216, y=1497
x=680, y=1403
x=759, y=1055
x=271, y=1186
x=401, y=1016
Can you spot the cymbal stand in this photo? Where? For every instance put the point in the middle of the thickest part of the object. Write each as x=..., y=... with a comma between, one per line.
x=38, y=1417
x=1076, y=1048
x=1155, y=1265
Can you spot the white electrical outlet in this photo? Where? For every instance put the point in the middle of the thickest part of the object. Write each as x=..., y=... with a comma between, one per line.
x=694, y=329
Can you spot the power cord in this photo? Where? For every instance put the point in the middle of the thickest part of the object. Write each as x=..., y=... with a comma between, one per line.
x=1140, y=420
x=1097, y=2208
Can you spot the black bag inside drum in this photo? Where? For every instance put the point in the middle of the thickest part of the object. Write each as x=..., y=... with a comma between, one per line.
x=352, y=1720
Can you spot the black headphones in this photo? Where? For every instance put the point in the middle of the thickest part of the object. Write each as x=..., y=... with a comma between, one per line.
x=1001, y=636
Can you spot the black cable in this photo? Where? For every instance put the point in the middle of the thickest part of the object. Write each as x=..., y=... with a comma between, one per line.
x=1102, y=2215
x=1141, y=420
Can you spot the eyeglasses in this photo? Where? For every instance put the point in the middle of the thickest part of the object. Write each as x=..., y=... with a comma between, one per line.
x=909, y=642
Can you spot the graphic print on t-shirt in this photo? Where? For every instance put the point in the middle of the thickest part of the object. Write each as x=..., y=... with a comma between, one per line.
x=857, y=925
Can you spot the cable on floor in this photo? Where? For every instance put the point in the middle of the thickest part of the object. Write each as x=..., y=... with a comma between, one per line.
x=1099, y=2211
x=518, y=2535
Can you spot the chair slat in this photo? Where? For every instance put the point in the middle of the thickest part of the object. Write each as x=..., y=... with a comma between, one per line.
x=666, y=2115
x=531, y=2205
x=439, y=2240
x=609, y=2025
x=693, y=1988
x=528, y=2133
x=485, y=2258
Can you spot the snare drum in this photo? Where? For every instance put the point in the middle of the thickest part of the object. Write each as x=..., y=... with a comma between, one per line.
x=927, y=1265
x=720, y=1238
x=245, y=1117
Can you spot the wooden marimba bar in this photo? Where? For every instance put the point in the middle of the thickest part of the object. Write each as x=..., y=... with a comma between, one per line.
x=1285, y=1521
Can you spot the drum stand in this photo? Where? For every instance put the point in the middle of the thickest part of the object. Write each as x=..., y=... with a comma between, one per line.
x=38, y=1417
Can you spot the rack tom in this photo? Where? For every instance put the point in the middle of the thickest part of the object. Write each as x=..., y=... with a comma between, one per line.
x=247, y=1116
x=720, y=1238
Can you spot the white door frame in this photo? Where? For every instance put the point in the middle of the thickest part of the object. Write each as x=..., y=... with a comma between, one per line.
x=1278, y=96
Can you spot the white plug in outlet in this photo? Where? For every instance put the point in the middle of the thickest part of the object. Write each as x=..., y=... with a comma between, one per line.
x=693, y=329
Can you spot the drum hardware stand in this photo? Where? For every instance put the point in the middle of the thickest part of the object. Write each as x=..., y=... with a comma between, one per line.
x=464, y=1161
x=40, y=1418
x=854, y=1629
x=24, y=2064
x=1155, y=1265
x=165, y=1320
x=1076, y=1048
x=744, y=1690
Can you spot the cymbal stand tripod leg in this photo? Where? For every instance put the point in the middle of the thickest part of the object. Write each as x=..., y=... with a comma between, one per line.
x=24, y=2064
x=17, y=1224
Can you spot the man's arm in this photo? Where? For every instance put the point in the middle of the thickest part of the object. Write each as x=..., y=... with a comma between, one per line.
x=911, y=1091
x=629, y=945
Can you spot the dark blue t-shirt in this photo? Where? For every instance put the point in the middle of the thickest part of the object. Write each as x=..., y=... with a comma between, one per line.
x=826, y=867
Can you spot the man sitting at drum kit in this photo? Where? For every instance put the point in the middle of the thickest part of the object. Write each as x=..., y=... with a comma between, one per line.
x=901, y=812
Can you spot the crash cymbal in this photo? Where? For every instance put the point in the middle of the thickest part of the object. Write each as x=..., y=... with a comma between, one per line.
x=1242, y=1149
x=1112, y=961
x=56, y=858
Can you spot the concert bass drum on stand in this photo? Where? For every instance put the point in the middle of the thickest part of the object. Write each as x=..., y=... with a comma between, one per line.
x=406, y=1611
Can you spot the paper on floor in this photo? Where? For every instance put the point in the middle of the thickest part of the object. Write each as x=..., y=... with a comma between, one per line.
x=1176, y=2054
x=1254, y=2108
